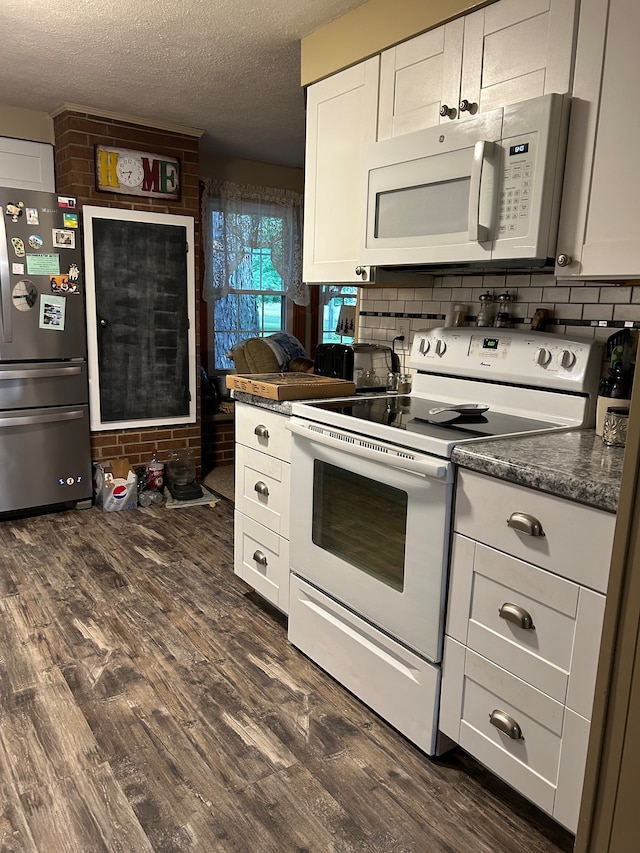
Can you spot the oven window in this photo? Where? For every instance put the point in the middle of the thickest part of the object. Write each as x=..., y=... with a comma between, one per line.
x=360, y=521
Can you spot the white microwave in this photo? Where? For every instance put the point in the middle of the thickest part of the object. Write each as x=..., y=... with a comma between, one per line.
x=474, y=192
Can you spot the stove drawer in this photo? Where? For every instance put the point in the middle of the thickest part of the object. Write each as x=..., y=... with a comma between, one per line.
x=577, y=539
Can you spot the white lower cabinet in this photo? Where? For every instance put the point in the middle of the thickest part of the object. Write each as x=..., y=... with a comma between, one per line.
x=261, y=520
x=522, y=640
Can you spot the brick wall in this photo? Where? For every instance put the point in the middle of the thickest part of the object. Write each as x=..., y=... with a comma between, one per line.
x=76, y=134
x=218, y=441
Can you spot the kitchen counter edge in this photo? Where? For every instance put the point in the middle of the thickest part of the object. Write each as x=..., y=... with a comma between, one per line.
x=574, y=464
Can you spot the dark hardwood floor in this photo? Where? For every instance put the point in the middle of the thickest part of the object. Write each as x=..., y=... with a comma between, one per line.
x=149, y=701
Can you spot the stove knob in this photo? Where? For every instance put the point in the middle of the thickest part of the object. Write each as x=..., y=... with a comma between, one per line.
x=425, y=346
x=566, y=358
x=440, y=347
x=542, y=356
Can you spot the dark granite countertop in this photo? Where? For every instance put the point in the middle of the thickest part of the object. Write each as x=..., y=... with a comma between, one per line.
x=283, y=407
x=573, y=464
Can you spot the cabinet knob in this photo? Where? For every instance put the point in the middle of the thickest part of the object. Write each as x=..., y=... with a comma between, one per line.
x=564, y=260
x=467, y=106
x=502, y=721
x=261, y=431
x=260, y=558
x=447, y=112
x=261, y=488
x=525, y=523
x=516, y=614
x=362, y=272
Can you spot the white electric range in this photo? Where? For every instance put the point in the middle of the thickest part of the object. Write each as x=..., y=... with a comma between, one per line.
x=372, y=497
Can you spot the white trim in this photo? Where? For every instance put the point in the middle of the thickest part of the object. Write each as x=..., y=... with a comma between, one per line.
x=145, y=122
x=89, y=213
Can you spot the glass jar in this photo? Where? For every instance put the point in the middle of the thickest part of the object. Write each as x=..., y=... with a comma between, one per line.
x=616, y=421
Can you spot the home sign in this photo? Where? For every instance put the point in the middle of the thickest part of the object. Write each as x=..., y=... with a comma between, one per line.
x=121, y=170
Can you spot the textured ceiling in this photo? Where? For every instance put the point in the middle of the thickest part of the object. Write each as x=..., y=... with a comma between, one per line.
x=229, y=67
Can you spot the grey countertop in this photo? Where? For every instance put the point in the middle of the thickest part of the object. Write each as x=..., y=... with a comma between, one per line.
x=283, y=407
x=573, y=464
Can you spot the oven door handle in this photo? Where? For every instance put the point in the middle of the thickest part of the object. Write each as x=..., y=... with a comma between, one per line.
x=436, y=469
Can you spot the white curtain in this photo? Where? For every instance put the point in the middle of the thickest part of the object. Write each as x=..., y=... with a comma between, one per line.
x=251, y=218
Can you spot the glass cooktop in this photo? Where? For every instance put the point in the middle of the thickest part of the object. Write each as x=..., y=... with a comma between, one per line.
x=411, y=414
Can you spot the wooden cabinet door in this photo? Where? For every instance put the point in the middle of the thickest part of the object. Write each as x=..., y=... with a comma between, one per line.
x=517, y=49
x=508, y=52
x=601, y=196
x=342, y=113
x=418, y=78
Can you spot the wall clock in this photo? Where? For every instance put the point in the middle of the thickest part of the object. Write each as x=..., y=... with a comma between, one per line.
x=128, y=172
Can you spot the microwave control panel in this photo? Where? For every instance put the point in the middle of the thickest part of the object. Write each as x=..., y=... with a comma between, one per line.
x=517, y=184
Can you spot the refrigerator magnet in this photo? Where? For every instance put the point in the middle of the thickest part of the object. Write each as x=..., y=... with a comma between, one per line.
x=66, y=201
x=36, y=241
x=32, y=216
x=18, y=246
x=63, y=238
x=61, y=284
x=74, y=272
x=24, y=295
x=43, y=264
x=14, y=210
x=17, y=269
x=52, y=313
x=70, y=220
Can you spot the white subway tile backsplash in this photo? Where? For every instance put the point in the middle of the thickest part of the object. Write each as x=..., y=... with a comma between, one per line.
x=578, y=307
x=616, y=294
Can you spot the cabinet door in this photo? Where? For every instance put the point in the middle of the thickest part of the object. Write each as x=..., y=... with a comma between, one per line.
x=508, y=52
x=517, y=49
x=418, y=78
x=342, y=113
x=601, y=198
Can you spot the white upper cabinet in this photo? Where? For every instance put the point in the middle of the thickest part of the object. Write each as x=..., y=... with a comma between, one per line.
x=508, y=52
x=342, y=114
x=599, y=232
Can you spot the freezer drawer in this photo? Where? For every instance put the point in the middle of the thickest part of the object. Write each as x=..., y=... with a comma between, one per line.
x=45, y=457
x=54, y=383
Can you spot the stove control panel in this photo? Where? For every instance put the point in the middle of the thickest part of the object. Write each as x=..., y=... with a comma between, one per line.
x=515, y=356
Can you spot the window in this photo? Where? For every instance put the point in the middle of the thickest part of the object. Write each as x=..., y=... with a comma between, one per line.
x=253, y=250
x=333, y=299
x=254, y=306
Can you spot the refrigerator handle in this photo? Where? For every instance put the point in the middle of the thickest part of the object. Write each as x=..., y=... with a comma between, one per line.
x=6, y=331
x=49, y=418
x=41, y=373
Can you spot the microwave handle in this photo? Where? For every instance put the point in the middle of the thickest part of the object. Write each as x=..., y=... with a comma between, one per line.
x=482, y=151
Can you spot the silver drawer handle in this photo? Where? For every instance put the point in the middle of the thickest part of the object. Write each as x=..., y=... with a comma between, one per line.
x=261, y=488
x=502, y=721
x=260, y=558
x=516, y=614
x=261, y=431
x=525, y=523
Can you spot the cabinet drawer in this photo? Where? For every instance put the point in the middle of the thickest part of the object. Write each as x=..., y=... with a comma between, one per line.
x=530, y=762
x=577, y=539
x=559, y=654
x=263, y=430
x=261, y=558
x=262, y=489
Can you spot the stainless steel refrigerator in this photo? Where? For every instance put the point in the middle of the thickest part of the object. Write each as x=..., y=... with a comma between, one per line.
x=45, y=456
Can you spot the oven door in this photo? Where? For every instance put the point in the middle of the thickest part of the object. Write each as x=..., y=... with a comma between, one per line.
x=370, y=528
